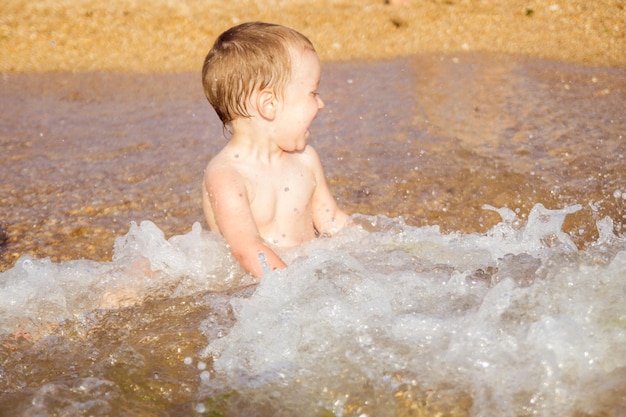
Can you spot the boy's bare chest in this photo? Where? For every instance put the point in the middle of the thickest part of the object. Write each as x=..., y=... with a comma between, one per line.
x=281, y=192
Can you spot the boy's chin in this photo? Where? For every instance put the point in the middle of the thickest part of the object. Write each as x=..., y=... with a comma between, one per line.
x=297, y=147
x=301, y=146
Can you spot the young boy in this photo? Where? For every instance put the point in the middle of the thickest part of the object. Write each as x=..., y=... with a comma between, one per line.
x=266, y=189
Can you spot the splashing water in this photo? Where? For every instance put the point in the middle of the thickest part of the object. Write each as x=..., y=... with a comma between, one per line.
x=384, y=319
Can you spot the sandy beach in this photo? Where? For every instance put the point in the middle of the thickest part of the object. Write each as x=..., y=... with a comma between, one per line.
x=166, y=36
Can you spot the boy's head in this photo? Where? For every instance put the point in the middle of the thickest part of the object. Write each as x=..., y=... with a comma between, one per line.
x=247, y=58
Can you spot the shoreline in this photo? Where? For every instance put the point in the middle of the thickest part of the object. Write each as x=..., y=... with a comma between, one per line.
x=173, y=36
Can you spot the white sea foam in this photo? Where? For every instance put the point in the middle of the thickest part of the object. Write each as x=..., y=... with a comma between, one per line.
x=36, y=294
x=517, y=319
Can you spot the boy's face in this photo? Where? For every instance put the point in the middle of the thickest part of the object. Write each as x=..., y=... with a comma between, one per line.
x=300, y=102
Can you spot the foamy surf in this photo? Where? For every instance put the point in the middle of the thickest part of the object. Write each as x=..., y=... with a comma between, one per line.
x=513, y=322
x=384, y=319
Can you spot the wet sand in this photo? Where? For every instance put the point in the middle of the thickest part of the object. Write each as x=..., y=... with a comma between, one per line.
x=174, y=35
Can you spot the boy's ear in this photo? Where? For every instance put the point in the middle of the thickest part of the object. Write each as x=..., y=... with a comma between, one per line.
x=266, y=103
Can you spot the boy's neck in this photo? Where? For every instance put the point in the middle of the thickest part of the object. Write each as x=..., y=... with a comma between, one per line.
x=253, y=142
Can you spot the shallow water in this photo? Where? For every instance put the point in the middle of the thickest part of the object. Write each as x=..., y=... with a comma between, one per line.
x=457, y=308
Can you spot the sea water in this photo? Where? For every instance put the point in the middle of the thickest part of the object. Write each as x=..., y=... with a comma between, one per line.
x=384, y=319
x=484, y=275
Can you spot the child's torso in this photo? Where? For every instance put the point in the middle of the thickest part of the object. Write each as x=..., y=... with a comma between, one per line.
x=280, y=200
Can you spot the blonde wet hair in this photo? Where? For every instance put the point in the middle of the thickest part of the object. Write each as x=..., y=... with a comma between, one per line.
x=247, y=58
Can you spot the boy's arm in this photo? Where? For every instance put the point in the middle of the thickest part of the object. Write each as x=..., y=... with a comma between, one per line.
x=231, y=209
x=328, y=218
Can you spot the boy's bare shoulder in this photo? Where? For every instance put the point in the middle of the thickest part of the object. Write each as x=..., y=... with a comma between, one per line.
x=221, y=168
x=217, y=162
x=312, y=158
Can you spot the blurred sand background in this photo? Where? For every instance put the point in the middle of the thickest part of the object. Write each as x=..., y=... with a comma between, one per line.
x=165, y=36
